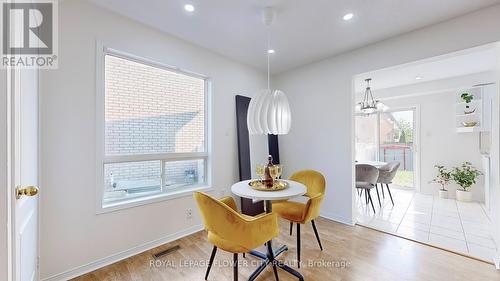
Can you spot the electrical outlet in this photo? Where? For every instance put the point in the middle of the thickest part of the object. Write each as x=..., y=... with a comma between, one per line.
x=189, y=213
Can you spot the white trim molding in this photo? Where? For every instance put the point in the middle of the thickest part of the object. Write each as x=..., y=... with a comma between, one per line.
x=144, y=200
x=80, y=270
x=5, y=245
x=337, y=218
x=497, y=262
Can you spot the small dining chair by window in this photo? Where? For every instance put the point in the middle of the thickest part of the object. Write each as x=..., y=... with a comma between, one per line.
x=386, y=175
x=234, y=232
x=366, y=180
x=302, y=213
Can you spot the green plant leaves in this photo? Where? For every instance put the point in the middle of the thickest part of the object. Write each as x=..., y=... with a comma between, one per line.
x=465, y=175
x=467, y=97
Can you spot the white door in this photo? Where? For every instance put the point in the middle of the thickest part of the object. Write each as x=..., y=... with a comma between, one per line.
x=22, y=107
x=24, y=173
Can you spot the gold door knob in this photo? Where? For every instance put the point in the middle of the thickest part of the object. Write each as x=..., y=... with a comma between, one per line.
x=26, y=191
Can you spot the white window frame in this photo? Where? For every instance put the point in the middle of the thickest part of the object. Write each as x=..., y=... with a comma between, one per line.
x=102, y=159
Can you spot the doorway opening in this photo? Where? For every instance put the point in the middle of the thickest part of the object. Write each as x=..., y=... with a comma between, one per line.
x=425, y=123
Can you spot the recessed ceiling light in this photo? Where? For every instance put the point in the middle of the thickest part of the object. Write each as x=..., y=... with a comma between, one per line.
x=189, y=8
x=348, y=16
x=418, y=78
x=271, y=51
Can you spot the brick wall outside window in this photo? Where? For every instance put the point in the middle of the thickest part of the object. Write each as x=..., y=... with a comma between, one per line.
x=150, y=110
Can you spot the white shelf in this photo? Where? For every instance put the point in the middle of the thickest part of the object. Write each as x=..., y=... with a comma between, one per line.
x=482, y=106
x=473, y=101
x=469, y=129
x=467, y=115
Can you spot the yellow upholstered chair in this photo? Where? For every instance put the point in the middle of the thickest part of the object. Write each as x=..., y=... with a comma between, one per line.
x=231, y=231
x=302, y=213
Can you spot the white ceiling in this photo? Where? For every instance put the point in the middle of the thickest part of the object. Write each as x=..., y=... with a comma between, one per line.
x=304, y=30
x=466, y=62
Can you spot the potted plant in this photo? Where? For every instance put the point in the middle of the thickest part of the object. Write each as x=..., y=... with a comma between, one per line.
x=465, y=176
x=443, y=178
x=467, y=98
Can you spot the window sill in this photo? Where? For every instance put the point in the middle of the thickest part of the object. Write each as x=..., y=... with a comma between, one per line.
x=116, y=206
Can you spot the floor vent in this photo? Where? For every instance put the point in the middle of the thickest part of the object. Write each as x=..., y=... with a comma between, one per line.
x=166, y=252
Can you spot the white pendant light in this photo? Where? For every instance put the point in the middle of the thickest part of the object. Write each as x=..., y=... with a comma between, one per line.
x=269, y=111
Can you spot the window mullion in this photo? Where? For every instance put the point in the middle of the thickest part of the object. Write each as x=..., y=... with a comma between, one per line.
x=151, y=157
x=162, y=175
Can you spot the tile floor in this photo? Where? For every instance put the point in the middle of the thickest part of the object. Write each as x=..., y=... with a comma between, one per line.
x=446, y=223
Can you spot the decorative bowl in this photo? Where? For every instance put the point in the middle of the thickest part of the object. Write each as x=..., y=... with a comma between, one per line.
x=469, y=123
x=277, y=185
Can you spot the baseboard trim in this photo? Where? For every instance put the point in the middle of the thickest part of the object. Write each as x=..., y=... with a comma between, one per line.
x=337, y=218
x=80, y=270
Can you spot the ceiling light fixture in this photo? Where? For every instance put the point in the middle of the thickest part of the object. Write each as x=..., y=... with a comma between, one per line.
x=369, y=105
x=269, y=111
x=348, y=17
x=271, y=51
x=189, y=8
x=418, y=78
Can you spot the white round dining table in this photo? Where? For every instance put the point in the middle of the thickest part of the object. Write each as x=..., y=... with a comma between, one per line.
x=243, y=189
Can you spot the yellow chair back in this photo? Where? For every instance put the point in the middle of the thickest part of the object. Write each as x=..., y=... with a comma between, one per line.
x=215, y=214
x=231, y=231
x=313, y=180
x=316, y=184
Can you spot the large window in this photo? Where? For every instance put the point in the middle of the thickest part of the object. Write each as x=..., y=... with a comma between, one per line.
x=154, y=130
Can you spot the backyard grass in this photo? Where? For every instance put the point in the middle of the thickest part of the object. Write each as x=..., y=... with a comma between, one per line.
x=403, y=178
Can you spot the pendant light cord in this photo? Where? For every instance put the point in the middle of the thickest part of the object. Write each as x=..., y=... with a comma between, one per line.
x=268, y=58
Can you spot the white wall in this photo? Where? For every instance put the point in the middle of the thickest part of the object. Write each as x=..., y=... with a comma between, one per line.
x=439, y=143
x=72, y=234
x=320, y=96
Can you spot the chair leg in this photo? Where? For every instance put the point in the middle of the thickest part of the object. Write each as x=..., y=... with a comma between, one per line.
x=235, y=267
x=370, y=199
x=366, y=196
x=382, y=186
x=317, y=235
x=389, y=190
x=378, y=196
x=270, y=255
x=298, y=244
x=291, y=228
x=244, y=256
x=210, y=262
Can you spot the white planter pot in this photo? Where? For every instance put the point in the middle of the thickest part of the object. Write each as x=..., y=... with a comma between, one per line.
x=443, y=194
x=464, y=196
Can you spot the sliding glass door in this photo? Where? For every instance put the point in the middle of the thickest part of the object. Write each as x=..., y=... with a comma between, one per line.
x=367, y=137
x=386, y=137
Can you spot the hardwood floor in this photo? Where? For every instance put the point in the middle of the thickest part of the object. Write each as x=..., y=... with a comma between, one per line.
x=367, y=255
